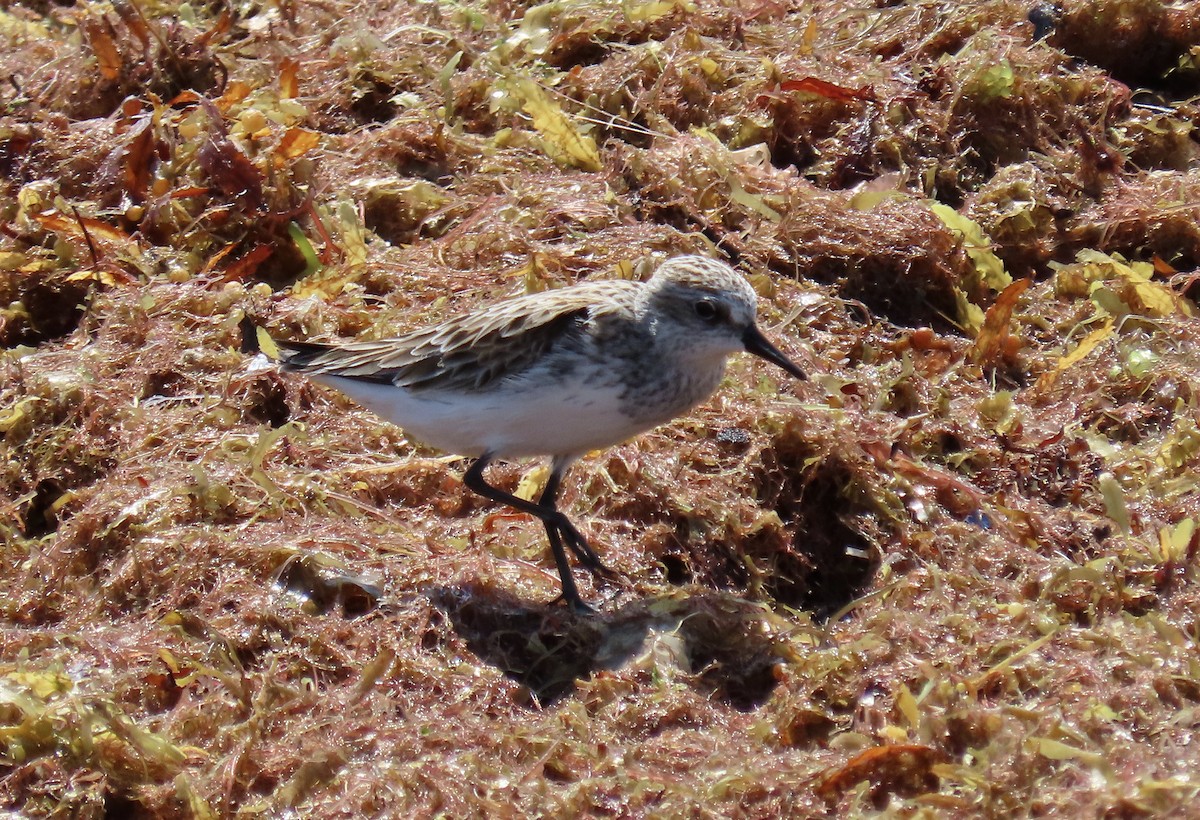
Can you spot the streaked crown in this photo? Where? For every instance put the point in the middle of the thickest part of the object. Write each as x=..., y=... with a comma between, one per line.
x=686, y=277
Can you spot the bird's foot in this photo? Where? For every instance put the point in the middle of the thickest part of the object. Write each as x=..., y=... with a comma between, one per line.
x=576, y=604
x=588, y=557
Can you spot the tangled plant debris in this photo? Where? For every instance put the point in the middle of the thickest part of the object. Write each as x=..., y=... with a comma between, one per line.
x=954, y=572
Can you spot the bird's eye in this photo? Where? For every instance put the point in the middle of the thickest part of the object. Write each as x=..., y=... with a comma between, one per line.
x=708, y=310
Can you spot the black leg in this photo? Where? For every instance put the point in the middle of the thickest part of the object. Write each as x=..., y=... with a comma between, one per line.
x=570, y=593
x=554, y=521
x=573, y=538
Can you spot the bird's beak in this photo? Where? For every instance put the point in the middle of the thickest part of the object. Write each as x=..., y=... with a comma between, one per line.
x=758, y=344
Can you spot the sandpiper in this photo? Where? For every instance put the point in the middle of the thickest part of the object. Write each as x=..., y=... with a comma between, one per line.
x=557, y=373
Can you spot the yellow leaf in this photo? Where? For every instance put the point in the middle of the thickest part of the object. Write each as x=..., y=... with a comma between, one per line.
x=168, y=658
x=977, y=244
x=561, y=141
x=92, y=275
x=326, y=283
x=532, y=274
x=1089, y=343
x=867, y=200
x=235, y=92
x=809, y=38
x=1057, y=750
x=970, y=315
x=354, y=240
x=1119, y=288
x=11, y=260
x=266, y=344
x=1154, y=299
x=14, y=415
x=42, y=684
x=752, y=201
x=1114, y=500
x=532, y=482
x=646, y=12
x=296, y=142
x=1173, y=542
x=288, y=85
x=16, y=28
x=1180, y=445
x=373, y=671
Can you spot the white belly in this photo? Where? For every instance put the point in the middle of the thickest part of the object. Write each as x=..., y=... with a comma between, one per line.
x=567, y=419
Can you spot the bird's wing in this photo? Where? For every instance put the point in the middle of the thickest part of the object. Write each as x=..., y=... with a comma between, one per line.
x=469, y=351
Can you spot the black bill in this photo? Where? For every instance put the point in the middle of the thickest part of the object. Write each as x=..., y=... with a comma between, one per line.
x=758, y=344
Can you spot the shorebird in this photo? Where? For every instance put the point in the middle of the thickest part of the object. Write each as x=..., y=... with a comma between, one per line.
x=558, y=373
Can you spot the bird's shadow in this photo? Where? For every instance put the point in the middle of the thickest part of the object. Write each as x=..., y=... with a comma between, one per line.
x=714, y=637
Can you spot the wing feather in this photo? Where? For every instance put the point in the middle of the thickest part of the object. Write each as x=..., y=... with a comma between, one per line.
x=469, y=351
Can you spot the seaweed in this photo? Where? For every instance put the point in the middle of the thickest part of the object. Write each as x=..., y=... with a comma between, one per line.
x=953, y=572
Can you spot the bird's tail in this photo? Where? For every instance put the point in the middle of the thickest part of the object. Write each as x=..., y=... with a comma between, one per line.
x=292, y=355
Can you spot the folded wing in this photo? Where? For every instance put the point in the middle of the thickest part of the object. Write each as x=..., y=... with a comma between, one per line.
x=468, y=352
